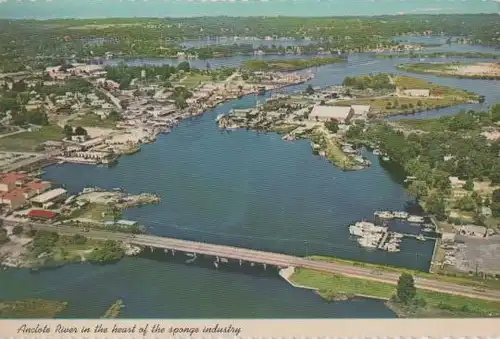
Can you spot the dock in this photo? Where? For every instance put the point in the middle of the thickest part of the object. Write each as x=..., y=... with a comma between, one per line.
x=383, y=240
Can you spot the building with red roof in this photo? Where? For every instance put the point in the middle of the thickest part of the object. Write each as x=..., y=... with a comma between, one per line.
x=11, y=180
x=42, y=215
x=14, y=199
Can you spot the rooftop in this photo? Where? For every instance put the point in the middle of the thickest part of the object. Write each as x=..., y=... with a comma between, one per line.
x=334, y=112
x=47, y=196
x=42, y=214
x=12, y=178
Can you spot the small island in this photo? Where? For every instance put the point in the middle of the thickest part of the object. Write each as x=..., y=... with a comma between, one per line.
x=281, y=65
x=477, y=70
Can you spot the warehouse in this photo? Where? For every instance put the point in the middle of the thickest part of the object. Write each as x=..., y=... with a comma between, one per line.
x=342, y=114
x=49, y=198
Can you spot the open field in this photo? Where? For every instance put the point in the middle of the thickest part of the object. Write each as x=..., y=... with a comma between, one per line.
x=333, y=287
x=28, y=141
x=478, y=70
x=92, y=120
x=193, y=80
x=94, y=211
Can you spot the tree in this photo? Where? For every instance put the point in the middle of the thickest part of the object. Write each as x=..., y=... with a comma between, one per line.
x=332, y=126
x=417, y=189
x=309, y=90
x=17, y=230
x=68, y=131
x=80, y=131
x=496, y=195
x=406, y=290
x=184, y=66
x=180, y=102
x=114, y=116
x=469, y=185
x=435, y=205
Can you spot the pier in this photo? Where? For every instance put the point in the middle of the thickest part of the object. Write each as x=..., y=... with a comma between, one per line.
x=268, y=258
x=383, y=240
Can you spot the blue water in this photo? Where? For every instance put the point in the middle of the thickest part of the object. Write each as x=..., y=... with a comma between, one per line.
x=44, y=9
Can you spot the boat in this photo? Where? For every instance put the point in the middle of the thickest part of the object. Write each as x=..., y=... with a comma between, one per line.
x=428, y=229
x=386, y=158
x=415, y=219
x=356, y=230
x=421, y=237
x=384, y=214
x=397, y=235
x=367, y=242
x=400, y=214
x=376, y=152
x=220, y=116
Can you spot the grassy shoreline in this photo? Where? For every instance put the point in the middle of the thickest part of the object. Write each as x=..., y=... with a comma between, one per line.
x=31, y=308
x=337, y=287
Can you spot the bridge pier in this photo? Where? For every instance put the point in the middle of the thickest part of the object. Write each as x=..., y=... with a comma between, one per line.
x=217, y=259
x=151, y=248
x=165, y=251
x=241, y=262
x=265, y=266
x=173, y=253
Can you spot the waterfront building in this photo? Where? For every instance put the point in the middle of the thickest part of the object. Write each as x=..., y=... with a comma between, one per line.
x=37, y=214
x=52, y=196
x=13, y=199
x=342, y=114
x=11, y=180
x=421, y=93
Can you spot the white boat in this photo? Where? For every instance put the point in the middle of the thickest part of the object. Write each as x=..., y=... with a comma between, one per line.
x=376, y=152
x=386, y=158
x=428, y=229
x=356, y=230
x=219, y=117
x=397, y=235
x=367, y=242
x=400, y=214
x=416, y=219
x=421, y=237
x=384, y=214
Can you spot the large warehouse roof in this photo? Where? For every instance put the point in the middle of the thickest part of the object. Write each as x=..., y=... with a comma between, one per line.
x=332, y=112
x=48, y=196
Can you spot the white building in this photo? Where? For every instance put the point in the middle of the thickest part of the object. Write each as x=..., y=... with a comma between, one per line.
x=361, y=110
x=51, y=196
x=325, y=113
x=421, y=93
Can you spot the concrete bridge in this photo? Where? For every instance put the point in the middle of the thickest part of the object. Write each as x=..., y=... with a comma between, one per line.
x=275, y=259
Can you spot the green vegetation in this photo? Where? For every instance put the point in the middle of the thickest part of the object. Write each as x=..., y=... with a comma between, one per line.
x=124, y=74
x=447, y=69
x=378, y=92
x=98, y=212
x=4, y=238
x=194, y=80
x=333, y=150
x=423, y=304
x=110, y=251
x=30, y=141
x=449, y=54
x=94, y=120
x=287, y=65
x=114, y=310
x=31, y=308
x=460, y=279
x=453, y=146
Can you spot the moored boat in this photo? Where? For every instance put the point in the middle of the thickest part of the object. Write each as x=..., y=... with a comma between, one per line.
x=400, y=214
x=416, y=219
x=384, y=214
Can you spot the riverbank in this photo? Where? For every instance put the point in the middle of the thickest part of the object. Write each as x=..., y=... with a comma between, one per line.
x=31, y=308
x=478, y=70
x=336, y=287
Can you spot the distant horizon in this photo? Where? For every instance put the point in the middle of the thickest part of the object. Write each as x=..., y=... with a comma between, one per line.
x=122, y=9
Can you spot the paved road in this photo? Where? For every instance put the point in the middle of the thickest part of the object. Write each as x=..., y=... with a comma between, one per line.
x=276, y=259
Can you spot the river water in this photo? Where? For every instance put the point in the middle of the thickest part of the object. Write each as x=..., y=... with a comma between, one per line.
x=243, y=189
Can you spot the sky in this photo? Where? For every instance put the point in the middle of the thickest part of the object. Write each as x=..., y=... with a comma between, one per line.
x=47, y=9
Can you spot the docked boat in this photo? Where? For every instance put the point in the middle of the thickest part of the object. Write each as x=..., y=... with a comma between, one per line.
x=367, y=242
x=428, y=229
x=400, y=214
x=386, y=158
x=356, y=231
x=220, y=116
x=397, y=235
x=416, y=219
x=376, y=151
x=421, y=237
x=384, y=214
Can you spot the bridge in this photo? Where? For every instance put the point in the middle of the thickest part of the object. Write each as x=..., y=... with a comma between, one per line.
x=274, y=259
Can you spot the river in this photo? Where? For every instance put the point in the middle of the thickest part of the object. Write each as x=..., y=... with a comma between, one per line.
x=240, y=188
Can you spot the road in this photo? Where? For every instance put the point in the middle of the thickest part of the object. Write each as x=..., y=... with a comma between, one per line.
x=276, y=259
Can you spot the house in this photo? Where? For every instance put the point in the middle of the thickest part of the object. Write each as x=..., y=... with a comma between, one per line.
x=35, y=188
x=455, y=182
x=126, y=223
x=13, y=199
x=11, y=180
x=52, y=196
x=342, y=114
x=42, y=215
x=419, y=93
x=448, y=237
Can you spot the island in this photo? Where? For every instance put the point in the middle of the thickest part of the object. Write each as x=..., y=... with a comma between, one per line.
x=287, y=65
x=477, y=70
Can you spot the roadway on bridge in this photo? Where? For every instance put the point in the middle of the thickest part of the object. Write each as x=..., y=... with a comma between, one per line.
x=276, y=259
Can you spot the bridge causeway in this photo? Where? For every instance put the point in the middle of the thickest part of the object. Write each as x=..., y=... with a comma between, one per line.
x=274, y=259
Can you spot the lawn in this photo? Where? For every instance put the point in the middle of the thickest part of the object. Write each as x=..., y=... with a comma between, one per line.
x=193, y=80
x=438, y=304
x=94, y=211
x=461, y=280
x=28, y=141
x=93, y=120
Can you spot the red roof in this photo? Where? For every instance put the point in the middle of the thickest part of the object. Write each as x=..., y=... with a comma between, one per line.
x=38, y=185
x=12, y=177
x=42, y=214
x=17, y=193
